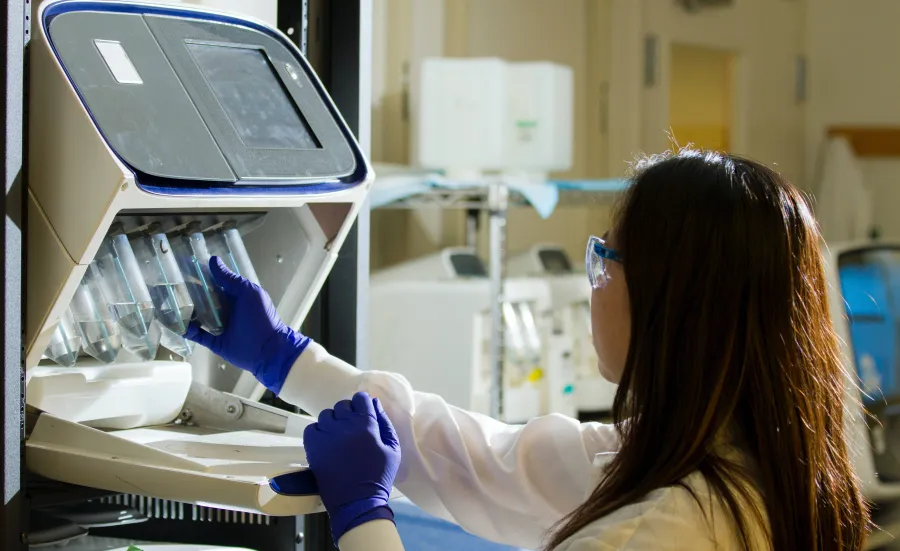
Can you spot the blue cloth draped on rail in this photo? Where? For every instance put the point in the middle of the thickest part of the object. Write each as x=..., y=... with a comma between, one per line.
x=543, y=195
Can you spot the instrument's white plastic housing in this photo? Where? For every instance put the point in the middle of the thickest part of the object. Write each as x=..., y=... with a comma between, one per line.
x=484, y=114
x=541, y=106
x=462, y=121
x=114, y=427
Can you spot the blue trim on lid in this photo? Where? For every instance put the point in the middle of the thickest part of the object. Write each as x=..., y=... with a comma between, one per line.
x=168, y=186
x=300, y=483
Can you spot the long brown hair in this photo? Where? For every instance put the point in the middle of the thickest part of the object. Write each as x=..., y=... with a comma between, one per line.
x=730, y=331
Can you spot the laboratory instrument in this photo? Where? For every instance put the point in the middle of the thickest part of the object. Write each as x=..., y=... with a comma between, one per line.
x=865, y=309
x=160, y=136
x=566, y=325
x=430, y=322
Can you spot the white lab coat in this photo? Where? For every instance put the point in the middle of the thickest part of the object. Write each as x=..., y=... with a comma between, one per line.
x=509, y=484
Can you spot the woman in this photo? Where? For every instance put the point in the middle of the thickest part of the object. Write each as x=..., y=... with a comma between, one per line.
x=709, y=310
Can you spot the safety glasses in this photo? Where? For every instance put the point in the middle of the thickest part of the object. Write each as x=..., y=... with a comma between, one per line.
x=596, y=258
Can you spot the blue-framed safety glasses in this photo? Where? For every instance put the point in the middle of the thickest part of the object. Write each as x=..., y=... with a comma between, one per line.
x=597, y=257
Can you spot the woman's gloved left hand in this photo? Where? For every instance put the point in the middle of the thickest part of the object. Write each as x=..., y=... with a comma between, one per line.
x=354, y=454
x=255, y=338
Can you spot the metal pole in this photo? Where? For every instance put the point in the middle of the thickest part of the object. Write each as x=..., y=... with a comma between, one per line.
x=13, y=513
x=498, y=203
x=339, y=42
x=472, y=227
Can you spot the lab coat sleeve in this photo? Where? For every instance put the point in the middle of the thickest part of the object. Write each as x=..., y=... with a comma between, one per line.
x=378, y=535
x=506, y=483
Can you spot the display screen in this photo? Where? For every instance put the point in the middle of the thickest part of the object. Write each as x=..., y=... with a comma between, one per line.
x=253, y=97
x=555, y=262
x=468, y=265
x=870, y=284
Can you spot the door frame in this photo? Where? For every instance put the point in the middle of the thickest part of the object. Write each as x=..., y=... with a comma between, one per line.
x=639, y=112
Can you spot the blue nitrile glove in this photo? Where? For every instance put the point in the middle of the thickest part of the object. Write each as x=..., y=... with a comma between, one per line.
x=255, y=339
x=354, y=454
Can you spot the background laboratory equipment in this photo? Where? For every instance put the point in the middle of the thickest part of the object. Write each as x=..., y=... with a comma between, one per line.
x=524, y=377
x=865, y=309
x=431, y=323
x=566, y=325
x=488, y=114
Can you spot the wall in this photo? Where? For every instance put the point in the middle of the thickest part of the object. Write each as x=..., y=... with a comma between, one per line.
x=854, y=79
x=766, y=35
x=391, y=50
x=405, y=32
x=381, y=84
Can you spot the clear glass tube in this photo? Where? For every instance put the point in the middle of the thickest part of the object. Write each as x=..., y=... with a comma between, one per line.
x=227, y=244
x=168, y=290
x=129, y=298
x=530, y=330
x=174, y=342
x=100, y=335
x=193, y=257
x=65, y=344
x=516, y=339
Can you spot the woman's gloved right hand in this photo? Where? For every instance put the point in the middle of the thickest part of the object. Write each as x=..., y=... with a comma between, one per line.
x=354, y=453
x=255, y=339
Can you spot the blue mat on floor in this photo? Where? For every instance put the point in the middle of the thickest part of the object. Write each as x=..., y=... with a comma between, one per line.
x=420, y=531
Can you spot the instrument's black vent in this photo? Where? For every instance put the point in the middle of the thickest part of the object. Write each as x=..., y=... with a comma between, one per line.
x=175, y=510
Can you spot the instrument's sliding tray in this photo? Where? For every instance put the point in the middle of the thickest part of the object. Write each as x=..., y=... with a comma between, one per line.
x=228, y=469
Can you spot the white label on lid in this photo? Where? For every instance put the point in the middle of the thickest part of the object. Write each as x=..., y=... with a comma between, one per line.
x=117, y=61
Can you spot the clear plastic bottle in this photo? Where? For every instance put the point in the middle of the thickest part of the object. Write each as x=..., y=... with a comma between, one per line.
x=65, y=344
x=128, y=295
x=193, y=257
x=226, y=243
x=168, y=290
x=100, y=335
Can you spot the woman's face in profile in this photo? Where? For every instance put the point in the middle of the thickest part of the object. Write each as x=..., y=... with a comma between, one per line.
x=611, y=320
